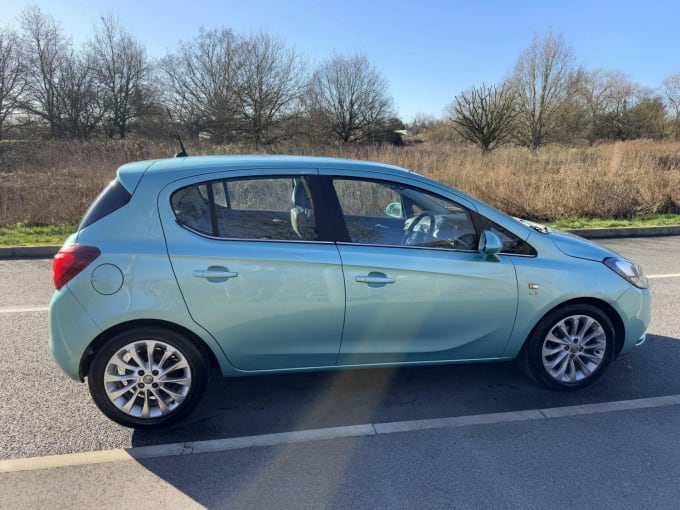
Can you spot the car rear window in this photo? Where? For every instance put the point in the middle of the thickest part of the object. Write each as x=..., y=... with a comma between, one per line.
x=111, y=199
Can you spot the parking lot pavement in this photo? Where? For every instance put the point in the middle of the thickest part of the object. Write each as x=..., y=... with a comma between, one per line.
x=25, y=283
x=608, y=460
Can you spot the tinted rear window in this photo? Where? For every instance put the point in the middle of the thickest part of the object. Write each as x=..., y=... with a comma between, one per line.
x=112, y=198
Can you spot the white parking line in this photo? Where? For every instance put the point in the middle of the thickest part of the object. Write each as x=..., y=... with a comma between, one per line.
x=373, y=429
x=672, y=275
x=23, y=309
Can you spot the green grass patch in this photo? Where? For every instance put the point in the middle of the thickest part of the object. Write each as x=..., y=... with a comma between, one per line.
x=658, y=220
x=22, y=235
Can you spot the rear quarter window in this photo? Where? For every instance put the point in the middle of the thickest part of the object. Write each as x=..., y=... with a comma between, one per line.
x=111, y=199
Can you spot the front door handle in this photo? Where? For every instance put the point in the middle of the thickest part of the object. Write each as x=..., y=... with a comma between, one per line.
x=375, y=279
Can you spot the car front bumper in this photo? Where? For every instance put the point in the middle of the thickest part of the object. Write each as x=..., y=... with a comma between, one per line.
x=635, y=309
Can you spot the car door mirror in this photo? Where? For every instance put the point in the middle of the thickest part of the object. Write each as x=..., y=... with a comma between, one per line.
x=394, y=210
x=489, y=243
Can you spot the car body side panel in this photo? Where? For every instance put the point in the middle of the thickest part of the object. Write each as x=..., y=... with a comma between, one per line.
x=284, y=309
x=560, y=279
x=149, y=293
x=443, y=305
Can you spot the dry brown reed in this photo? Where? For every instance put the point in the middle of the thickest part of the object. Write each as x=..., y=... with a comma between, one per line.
x=54, y=182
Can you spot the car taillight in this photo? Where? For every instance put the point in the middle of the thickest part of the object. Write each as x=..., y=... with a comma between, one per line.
x=71, y=260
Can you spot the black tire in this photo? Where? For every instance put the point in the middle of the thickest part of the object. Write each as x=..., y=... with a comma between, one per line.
x=578, y=338
x=137, y=393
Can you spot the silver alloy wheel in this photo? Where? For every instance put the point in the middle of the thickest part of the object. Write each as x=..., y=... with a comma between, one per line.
x=147, y=379
x=574, y=348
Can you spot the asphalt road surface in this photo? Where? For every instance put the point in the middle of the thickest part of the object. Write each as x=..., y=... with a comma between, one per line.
x=472, y=436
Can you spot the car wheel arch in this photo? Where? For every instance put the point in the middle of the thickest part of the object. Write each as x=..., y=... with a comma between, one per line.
x=606, y=308
x=102, y=338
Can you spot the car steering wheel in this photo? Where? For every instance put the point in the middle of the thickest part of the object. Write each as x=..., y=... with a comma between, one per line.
x=411, y=236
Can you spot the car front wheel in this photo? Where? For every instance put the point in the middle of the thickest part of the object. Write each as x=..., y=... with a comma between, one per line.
x=147, y=377
x=570, y=348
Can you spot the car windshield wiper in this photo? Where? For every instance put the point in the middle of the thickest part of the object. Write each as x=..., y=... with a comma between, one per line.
x=536, y=226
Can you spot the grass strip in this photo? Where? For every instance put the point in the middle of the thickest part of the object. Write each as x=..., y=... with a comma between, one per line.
x=658, y=220
x=23, y=235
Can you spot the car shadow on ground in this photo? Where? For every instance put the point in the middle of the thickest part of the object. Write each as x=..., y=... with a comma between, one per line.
x=250, y=406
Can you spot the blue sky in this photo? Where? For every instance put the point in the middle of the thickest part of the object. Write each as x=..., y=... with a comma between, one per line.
x=429, y=50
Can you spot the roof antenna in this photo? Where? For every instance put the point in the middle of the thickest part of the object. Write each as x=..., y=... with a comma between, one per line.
x=183, y=152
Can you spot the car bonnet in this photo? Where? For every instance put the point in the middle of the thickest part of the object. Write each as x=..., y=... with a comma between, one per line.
x=578, y=247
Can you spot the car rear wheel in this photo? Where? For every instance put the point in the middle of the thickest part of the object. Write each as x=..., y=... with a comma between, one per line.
x=570, y=348
x=147, y=377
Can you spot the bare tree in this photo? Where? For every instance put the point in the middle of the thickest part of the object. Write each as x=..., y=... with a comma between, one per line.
x=484, y=115
x=78, y=99
x=122, y=70
x=545, y=78
x=671, y=86
x=46, y=50
x=351, y=97
x=269, y=86
x=12, y=75
x=201, y=77
x=619, y=109
x=604, y=90
x=606, y=97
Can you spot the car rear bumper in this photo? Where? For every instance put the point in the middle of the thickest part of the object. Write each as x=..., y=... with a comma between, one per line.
x=71, y=331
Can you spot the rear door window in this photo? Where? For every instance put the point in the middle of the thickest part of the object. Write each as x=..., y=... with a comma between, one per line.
x=272, y=208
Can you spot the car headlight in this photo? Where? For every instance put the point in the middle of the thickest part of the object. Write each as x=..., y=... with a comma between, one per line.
x=628, y=270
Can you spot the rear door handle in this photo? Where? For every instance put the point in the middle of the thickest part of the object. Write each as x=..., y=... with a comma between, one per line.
x=207, y=273
x=375, y=279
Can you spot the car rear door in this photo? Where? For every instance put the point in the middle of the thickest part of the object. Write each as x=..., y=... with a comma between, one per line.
x=254, y=270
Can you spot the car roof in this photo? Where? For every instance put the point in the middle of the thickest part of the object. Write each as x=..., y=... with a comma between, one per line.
x=177, y=168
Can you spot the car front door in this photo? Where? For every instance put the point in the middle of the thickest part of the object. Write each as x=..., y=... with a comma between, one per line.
x=253, y=270
x=421, y=292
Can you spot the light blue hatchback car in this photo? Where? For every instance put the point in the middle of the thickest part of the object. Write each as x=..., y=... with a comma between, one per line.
x=257, y=265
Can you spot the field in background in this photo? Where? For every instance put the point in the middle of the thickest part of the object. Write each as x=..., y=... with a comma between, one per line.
x=52, y=183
